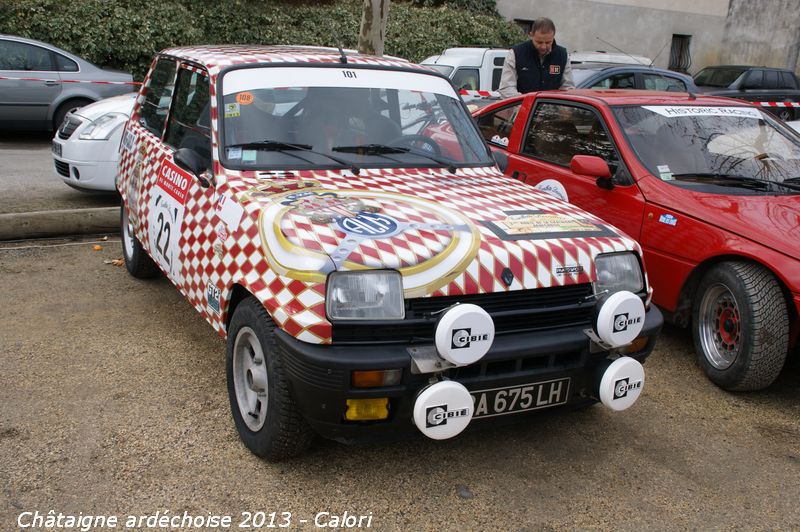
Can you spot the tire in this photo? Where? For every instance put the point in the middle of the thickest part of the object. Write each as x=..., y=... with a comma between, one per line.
x=66, y=107
x=265, y=414
x=740, y=326
x=137, y=261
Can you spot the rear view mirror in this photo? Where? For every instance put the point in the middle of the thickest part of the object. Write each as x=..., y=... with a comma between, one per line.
x=592, y=166
x=190, y=160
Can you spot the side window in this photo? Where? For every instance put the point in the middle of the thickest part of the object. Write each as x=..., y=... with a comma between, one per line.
x=617, y=81
x=754, y=79
x=466, y=79
x=158, y=96
x=497, y=73
x=787, y=81
x=189, y=124
x=496, y=127
x=65, y=64
x=770, y=79
x=656, y=82
x=559, y=132
x=21, y=56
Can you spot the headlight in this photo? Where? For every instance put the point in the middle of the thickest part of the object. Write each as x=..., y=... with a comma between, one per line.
x=103, y=127
x=618, y=271
x=365, y=295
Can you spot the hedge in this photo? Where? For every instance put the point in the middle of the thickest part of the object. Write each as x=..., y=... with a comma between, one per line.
x=125, y=34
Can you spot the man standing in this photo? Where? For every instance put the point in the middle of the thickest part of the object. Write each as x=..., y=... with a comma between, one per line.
x=538, y=64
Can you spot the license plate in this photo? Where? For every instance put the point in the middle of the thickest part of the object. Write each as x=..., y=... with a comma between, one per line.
x=513, y=399
x=57, y=148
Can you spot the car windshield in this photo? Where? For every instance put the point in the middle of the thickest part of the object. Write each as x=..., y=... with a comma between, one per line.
x=444, y=69
x=707, y=144
x=717, y=77
x=317, y=117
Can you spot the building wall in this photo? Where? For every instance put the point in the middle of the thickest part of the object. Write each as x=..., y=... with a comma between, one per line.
x=762, y=32
x=643, y=27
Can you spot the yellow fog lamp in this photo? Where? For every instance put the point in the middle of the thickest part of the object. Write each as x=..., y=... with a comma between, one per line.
x=375, y=378
x=367, y=409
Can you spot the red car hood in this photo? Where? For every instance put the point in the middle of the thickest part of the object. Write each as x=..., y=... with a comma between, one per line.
x=473, y=232
x=772, y=221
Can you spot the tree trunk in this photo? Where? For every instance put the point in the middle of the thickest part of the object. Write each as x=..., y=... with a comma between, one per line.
x=373, y=27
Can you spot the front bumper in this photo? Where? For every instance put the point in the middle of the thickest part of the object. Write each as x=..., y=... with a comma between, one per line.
x=89, y=165
x=320, y=376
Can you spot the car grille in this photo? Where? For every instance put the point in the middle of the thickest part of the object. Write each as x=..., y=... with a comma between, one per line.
x=62, y=168
x=512, y=312
x=68, y=127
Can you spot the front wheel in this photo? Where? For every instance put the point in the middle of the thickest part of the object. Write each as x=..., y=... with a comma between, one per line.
x=263, y=409
x=740, y=325
x=137, y=261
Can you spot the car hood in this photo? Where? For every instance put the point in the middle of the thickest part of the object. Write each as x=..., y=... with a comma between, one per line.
x=117, y=104
x=474, y=232
x=772, y=221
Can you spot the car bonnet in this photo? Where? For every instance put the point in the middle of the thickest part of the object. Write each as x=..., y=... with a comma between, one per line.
x=474, y=232
x=116, y=104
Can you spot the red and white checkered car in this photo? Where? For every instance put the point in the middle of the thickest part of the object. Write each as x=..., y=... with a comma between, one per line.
x=341, y=222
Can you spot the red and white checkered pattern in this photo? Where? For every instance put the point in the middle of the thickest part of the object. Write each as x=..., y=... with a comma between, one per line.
x=236, y=255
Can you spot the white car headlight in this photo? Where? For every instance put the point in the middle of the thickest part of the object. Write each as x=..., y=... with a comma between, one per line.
x=365, y=295
x=618, y=271
x=103, y=127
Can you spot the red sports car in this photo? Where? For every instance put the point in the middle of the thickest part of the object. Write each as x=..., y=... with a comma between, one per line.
x=710, y=187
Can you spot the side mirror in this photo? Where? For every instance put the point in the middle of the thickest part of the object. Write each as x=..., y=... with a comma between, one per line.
x=501, y=159
x=592, y=166
x=190, y=160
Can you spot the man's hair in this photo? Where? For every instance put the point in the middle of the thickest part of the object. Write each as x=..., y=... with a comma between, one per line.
x=544, y=25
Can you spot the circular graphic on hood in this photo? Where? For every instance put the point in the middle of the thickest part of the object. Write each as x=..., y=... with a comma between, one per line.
x=309, y=233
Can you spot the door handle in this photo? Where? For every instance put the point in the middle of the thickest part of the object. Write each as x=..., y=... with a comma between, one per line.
x=51, y=82
x=520, y=176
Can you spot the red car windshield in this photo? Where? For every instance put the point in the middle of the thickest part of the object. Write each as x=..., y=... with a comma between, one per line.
x=695, y=142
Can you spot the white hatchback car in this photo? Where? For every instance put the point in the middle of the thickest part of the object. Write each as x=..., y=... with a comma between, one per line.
x=86, y=145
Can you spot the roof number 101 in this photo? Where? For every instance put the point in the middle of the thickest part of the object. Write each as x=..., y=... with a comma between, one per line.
x=349, y=74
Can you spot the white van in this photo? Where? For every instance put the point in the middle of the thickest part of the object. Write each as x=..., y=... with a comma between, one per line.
x=470, y=68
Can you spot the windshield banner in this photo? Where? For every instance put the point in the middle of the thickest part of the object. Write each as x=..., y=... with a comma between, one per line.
x=680, y=111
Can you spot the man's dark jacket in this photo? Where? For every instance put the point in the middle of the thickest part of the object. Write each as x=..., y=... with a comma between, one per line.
x=536, y=75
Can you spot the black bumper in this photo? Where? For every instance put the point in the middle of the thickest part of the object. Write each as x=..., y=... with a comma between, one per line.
x=320, y=376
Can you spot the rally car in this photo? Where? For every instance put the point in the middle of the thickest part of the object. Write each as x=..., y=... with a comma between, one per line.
x=709, y=186
x=339, y=219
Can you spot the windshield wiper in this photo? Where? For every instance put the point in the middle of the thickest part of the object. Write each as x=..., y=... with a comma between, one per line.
x=383, y=149
x=371, y=149
x=287, y=147
x=742, y=181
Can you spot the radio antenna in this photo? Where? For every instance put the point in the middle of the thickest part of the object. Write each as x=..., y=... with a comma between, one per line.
x=619, y=50
x=658, y=54
x=342, y=57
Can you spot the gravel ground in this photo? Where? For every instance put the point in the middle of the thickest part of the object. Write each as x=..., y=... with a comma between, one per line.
x=113, y=402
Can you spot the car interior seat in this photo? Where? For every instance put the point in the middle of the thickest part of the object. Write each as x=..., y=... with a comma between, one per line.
x=343, y=118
